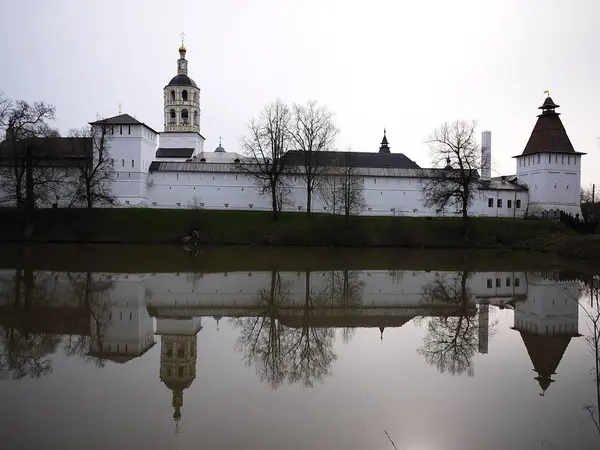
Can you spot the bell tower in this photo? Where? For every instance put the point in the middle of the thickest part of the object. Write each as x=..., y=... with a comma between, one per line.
x=182, y=98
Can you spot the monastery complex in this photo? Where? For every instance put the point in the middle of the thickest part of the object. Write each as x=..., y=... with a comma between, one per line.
x=172, y=169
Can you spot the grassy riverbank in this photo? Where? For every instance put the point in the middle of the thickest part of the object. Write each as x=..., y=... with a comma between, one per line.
x=159, y=226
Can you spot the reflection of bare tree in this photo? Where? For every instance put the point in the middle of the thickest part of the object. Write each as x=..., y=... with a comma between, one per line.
x=260, y=336
x=592, y=312
x=39, y=313
x=302, y=353
x=345, y=290
x=452, y=338
x=25, y=353
x=92, y=292
x=309, y=350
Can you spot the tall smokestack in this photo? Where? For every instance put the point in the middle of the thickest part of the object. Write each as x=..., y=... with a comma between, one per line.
x=486, y=155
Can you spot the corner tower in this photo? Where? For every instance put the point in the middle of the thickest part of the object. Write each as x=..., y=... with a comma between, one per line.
x=182, y=99
x=550, y=165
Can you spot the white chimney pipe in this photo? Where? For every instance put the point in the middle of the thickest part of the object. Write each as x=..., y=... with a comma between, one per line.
x=486, y=155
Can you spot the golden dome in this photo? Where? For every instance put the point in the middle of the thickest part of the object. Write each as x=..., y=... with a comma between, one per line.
x=182, y=49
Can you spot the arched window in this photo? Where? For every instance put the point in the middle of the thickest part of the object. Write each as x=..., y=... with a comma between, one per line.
x=184, y=96
x=172, y=96
x=195, y=97
x=184, y=116
x=172, y=117
x=196, y=118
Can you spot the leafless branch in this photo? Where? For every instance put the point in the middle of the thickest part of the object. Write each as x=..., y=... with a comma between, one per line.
x=457, y=159
x=313, y=132
x=265, y=145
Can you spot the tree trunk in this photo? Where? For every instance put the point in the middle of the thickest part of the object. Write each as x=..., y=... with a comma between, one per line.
x=308, y=198
x=88, y=196
x=29, y=193
x=274, y=200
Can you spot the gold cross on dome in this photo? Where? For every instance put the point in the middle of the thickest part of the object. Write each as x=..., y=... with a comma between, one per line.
x=220, y=139
x=182, y=37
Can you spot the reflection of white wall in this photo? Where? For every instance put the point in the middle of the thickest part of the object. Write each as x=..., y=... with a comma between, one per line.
x=551, y=307
x=129, y=330
x=379, y=288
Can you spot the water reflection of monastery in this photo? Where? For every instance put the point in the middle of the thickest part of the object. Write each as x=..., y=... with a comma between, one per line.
x=112, y=316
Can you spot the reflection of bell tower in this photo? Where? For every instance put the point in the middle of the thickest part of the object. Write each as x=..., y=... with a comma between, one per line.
x=547, y=321
x=178, y=357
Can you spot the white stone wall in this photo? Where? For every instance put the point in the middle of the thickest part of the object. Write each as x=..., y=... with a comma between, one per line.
x=384, y=196
x=554, y=181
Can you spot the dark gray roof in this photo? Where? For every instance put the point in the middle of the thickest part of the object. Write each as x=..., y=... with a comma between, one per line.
x=355, y=159
x=174, y=152
x=121, y=119
x=182, y=80
x=55, y=151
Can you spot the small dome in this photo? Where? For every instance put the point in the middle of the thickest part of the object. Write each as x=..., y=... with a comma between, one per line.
x=220, y=149
x=181, y=80
x=182, y=49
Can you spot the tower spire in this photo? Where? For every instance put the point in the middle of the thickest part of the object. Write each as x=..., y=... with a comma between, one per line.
x=385, y=147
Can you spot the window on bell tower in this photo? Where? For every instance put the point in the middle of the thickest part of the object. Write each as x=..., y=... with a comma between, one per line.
x=172, y=116
x=184, y=116
x=195, y=97
x=172, y=96
x=184, y=96
x=196, y=122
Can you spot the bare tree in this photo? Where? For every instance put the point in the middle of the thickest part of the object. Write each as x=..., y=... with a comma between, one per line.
x=265, y=146
x=588, y=195
x=94, y=166
x=342, y=190
x=5, y=108
x=313, y=132
x=590, y=203
x=454, y=181
x=25, y=174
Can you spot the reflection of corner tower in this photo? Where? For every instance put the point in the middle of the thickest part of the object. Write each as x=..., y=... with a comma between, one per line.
x=547, y=321
x=178, y=357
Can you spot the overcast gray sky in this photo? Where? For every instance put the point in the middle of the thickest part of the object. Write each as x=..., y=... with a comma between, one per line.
x=406, y=65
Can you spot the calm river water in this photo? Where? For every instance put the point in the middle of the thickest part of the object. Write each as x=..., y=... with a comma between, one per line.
x=155, y=348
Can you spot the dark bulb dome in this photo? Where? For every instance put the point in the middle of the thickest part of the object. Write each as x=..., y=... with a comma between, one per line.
x=182, y=80
x=220, y=149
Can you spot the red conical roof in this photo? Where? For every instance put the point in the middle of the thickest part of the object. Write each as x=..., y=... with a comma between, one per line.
x=549, y=134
